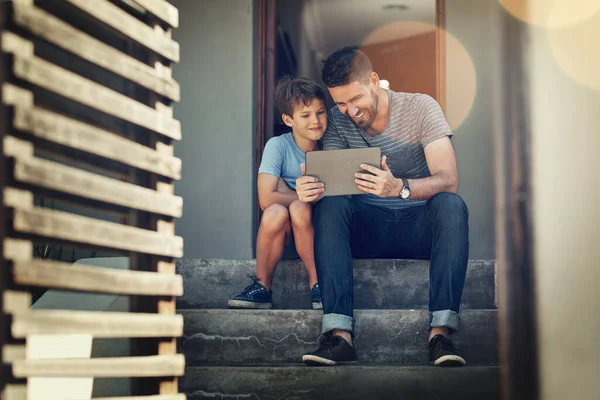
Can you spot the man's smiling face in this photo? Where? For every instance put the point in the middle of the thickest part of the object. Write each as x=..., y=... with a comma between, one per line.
x=357, y=101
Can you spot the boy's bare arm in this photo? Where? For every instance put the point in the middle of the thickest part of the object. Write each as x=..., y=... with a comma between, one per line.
x=269, y=194
x=283, y=187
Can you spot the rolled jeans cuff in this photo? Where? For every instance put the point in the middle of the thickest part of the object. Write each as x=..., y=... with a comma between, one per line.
x=444, y=318
x=337, y=321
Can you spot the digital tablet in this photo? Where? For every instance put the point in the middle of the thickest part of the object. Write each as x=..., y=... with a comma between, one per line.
x=336, y=168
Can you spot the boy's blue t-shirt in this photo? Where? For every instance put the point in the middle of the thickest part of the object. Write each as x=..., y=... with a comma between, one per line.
x=282, y=158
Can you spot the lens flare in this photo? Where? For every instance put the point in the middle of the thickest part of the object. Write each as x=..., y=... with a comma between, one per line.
x=461, y=82
x=552, y=13
x=576, y=50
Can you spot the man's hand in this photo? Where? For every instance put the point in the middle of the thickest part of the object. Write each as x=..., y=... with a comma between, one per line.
x=308, y=188
x=382, y=183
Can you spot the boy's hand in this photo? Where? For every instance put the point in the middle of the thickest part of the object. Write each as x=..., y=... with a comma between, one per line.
x=308, y=188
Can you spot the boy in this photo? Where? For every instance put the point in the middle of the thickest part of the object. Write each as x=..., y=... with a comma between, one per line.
x=302, y=105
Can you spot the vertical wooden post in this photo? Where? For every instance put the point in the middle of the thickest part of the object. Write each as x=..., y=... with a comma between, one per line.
x=514, y=246
x=266, y=72
x=3, y=218
x=440, y=52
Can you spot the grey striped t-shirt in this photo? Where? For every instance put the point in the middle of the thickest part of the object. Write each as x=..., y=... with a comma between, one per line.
x=415, y=121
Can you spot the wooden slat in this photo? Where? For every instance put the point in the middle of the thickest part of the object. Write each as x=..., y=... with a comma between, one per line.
x=13, y=352
x=99, y=324
x=161, y=9
x=75, y=87
x=79, y=229
x=156, y=397
x=75, y=228
x=53, y=274
x=87, y=47
x=15, y=392
x=78, y=135
x=16, y=198
x=15, y=302
x=17, y=249
x=114, y=367
x=14, y=147
x=130, y=26
x=59, y=177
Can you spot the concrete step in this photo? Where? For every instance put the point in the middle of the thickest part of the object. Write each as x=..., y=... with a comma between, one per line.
x=234, y=337
x=378, y=284
x=341, y=383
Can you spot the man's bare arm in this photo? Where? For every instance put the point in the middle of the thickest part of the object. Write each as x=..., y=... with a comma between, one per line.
x=441, y=161
x=269, y=194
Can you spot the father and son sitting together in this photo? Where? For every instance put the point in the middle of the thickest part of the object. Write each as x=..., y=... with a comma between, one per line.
x=409, y=208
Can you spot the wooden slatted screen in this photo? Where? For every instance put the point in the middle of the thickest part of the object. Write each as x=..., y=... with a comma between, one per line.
x=87, y=126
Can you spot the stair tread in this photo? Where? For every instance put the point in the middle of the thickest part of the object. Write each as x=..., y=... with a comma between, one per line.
x=302, y=382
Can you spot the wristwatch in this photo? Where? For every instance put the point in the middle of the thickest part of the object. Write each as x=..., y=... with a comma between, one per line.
x=405, y=192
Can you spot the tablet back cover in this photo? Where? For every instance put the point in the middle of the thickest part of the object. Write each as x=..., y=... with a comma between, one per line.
x=336, y=168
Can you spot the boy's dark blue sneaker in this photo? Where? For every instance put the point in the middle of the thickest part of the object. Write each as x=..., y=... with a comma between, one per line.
x=315, y=296
x=254, y=296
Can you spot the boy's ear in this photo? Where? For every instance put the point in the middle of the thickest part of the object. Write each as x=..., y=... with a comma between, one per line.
x=287, y=119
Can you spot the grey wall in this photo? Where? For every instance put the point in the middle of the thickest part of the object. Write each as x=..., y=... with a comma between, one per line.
x=216, y=74
x=469, y=22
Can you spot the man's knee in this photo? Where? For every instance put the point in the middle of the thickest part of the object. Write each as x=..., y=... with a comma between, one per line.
x=448, y=204
x=275, y=217
x=331, y=213
x=301, y=214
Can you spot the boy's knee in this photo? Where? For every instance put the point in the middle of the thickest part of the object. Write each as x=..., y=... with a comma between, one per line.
x=301, y=213
x=275, y=217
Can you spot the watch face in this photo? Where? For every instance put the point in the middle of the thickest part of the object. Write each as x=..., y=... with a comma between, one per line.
x=404, y=193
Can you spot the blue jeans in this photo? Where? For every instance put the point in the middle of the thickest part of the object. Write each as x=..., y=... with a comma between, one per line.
x=346, y=227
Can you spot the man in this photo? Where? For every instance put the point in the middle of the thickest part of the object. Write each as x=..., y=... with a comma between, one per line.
x=409, y=210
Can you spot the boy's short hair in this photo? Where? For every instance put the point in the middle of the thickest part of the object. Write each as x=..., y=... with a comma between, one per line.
x=291, y=92
x=345, y=66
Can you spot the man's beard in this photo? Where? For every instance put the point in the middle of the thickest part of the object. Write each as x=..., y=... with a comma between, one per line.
x=372, y=111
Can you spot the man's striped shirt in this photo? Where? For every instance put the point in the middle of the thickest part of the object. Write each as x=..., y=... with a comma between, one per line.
x=415, y=121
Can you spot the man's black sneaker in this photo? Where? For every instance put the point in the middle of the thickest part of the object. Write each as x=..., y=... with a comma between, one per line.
x=254, y=296
x=315, y=296
x=333, y=350
x=442, y=353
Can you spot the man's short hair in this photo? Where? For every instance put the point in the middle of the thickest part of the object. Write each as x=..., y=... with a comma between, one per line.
x=345, y=66
x=291, y=92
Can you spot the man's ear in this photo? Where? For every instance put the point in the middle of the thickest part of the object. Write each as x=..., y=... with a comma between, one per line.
x=374, y=78
x=287, y=119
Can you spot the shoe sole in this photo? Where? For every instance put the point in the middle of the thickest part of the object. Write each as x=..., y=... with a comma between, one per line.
x=449, y=361
x=320, y=361
x=317, y=306
x=249, y=304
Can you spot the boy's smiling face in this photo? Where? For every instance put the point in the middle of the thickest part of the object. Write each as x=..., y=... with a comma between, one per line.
x=309, y=121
